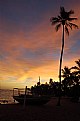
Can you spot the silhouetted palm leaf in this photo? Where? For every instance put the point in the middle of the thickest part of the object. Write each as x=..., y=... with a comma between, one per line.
x=73, y=25
x=71, y=19
x=66, y=30
x=78, y=63
x=57, y=27
x=54, y=20
x=71, y=12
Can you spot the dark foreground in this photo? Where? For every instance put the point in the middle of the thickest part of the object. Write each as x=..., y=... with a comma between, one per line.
x=68, y=111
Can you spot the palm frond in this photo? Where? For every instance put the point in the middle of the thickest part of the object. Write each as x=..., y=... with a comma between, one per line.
x=57, y=27
x=71, y=12
x=54, y=20
x=75, y=67
x=62, y=10
x=78, y=63
x=63, y=13
x=73, y=25
x=59, y=17
x=68, y=25
x=66, y=30
x=71, y=19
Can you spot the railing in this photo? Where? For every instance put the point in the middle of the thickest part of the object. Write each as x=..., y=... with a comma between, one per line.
x=19, y=91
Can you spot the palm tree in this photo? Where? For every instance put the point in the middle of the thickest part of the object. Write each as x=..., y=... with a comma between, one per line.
x=77, y=67
x=76, y=71
x=65, y=20
x=67, y=79
x=76, y=74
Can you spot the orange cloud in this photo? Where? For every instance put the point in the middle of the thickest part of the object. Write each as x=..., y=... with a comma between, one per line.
x=26, y=55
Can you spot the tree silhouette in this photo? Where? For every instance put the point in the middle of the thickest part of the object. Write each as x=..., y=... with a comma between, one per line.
x=76, y=74
x=68, y=80
x=77, y=68
x=66, y=74
x=64, y=20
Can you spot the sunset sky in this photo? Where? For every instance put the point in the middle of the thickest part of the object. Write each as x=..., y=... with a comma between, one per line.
x=30, y=46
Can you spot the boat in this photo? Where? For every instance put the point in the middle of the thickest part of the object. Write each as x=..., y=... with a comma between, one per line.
x=30, y=99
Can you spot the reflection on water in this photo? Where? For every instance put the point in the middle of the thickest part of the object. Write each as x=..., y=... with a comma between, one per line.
x=6, y=96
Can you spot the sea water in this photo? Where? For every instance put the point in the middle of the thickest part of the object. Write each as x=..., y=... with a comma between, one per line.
x=6, y=96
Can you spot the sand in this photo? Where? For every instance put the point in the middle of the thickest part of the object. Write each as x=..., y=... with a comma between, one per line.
x=68, y=111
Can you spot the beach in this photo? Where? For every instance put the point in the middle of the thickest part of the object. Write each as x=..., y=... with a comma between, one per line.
x=68, y=111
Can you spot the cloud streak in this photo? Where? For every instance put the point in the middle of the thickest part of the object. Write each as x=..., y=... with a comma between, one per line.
x=30, y=46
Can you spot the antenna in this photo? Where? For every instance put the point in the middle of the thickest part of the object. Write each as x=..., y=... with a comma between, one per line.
x=39, y=78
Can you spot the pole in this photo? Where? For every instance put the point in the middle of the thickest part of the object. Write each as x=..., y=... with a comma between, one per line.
x=25, y=96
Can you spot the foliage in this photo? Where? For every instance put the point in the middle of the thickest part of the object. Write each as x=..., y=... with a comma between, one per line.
x=71, y=80
x=70, y=85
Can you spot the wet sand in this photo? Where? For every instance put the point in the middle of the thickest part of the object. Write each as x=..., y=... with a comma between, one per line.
x=68, y=111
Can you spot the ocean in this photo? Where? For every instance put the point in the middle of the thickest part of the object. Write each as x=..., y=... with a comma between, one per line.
x=6, y=96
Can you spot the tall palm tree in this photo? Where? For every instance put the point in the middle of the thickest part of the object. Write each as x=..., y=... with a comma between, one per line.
x=64, y=19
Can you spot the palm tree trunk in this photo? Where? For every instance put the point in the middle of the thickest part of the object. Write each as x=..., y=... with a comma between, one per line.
x=59, y=99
